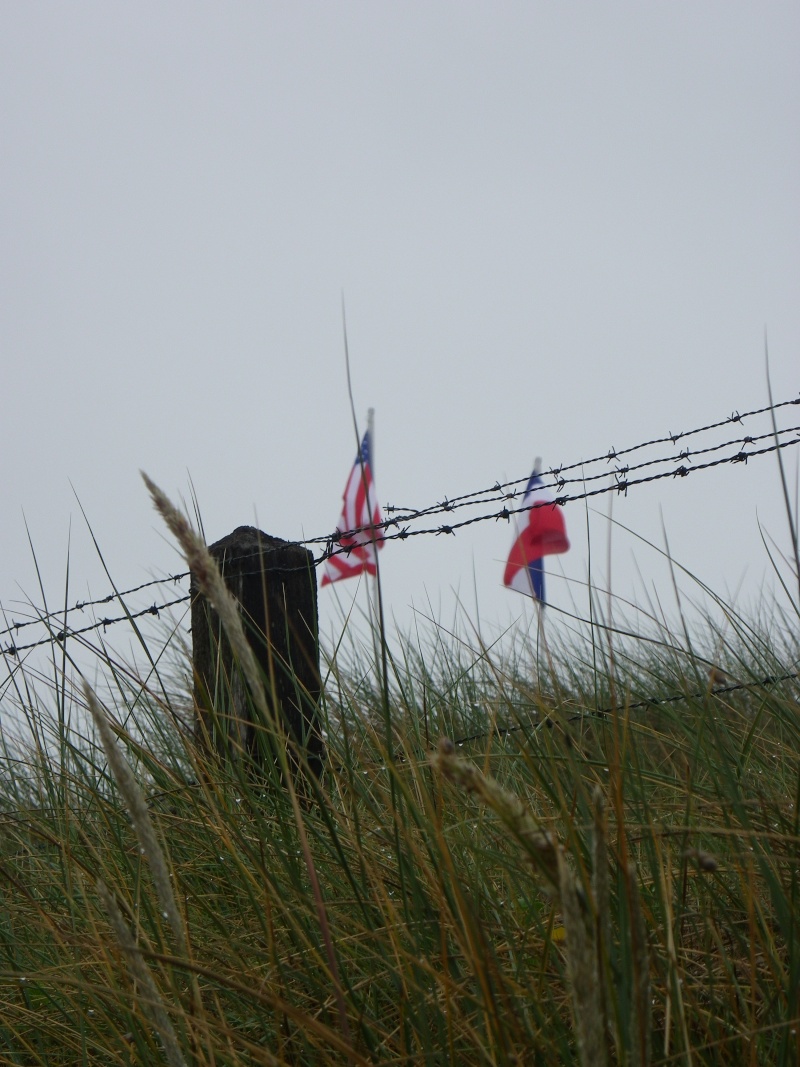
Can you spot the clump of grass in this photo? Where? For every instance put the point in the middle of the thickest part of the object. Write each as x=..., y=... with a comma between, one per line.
x=576, y=876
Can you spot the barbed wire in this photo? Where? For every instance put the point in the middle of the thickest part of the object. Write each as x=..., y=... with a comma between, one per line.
x=505, y=513
x=81, y=605
x=621, y=485
x=559, y=482
x=60, y=636
x=649, y=702
x=608, y=457
x=397, y=527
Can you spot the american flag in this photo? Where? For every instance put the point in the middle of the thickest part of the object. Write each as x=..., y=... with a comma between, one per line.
x=360, y=509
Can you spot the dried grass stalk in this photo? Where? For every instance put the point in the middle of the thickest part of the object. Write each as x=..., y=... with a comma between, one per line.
x=148, y=994
x=588, y=1007
x=641, y=1013
x=211, y=584
x=601, y=895
x=540, y=845
x=140, y=817
x=583, y=965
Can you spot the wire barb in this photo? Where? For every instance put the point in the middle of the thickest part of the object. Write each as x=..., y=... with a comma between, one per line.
x=398, y=527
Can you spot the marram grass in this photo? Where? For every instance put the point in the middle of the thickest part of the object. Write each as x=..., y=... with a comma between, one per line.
x=615, y=889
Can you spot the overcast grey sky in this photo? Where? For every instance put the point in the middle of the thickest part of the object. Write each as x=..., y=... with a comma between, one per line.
x=556, y=227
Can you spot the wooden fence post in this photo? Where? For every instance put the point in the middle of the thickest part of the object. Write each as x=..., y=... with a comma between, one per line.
x=275, y=585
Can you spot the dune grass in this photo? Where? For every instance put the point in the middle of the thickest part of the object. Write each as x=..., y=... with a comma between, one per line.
x=536, y=867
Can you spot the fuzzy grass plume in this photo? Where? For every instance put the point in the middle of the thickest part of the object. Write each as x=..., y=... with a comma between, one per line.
x=212, y=585
x=147, y=993
x=140, y=818
x=581, y=928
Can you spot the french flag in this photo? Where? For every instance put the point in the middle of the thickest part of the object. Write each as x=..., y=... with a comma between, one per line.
x=544, y=534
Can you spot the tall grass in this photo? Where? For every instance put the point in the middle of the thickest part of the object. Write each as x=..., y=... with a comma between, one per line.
x=566, y=886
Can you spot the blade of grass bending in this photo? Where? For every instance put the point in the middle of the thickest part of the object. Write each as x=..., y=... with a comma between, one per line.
x=136, y=629
x=786, y=498
x=387, y=715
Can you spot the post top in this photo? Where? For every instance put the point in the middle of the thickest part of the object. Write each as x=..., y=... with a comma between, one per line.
x=248, y=537
x=247, y=541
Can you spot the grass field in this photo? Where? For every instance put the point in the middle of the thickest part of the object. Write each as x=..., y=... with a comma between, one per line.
x=566, y=886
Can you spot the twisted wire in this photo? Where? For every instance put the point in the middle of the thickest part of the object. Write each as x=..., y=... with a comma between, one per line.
x=397, y=527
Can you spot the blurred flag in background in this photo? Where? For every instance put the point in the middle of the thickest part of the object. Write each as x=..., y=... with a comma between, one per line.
x=543, y=534
x=360, y=508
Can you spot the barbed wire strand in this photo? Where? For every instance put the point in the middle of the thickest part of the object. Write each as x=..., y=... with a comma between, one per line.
x=621, y=484
x=614, y=454
x=559, y=482
x=505, y=513
x=62, y=635
x=649, y=702
x=81, y=605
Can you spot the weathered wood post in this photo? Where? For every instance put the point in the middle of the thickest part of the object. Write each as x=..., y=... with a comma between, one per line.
x=274, y=583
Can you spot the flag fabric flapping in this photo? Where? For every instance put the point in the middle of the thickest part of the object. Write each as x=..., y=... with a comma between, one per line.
x=544, y=534
x=360, y=509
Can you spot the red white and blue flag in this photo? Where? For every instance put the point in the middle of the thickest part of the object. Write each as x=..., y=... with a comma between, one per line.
x=544, y=534
x=361, y=513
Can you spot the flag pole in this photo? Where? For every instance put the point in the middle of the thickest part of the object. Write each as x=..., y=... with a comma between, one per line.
x=374, y=605
x=537, y=470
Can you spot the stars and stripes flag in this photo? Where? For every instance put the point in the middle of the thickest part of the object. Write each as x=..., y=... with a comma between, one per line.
x=360, y=509
x=543, y=534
